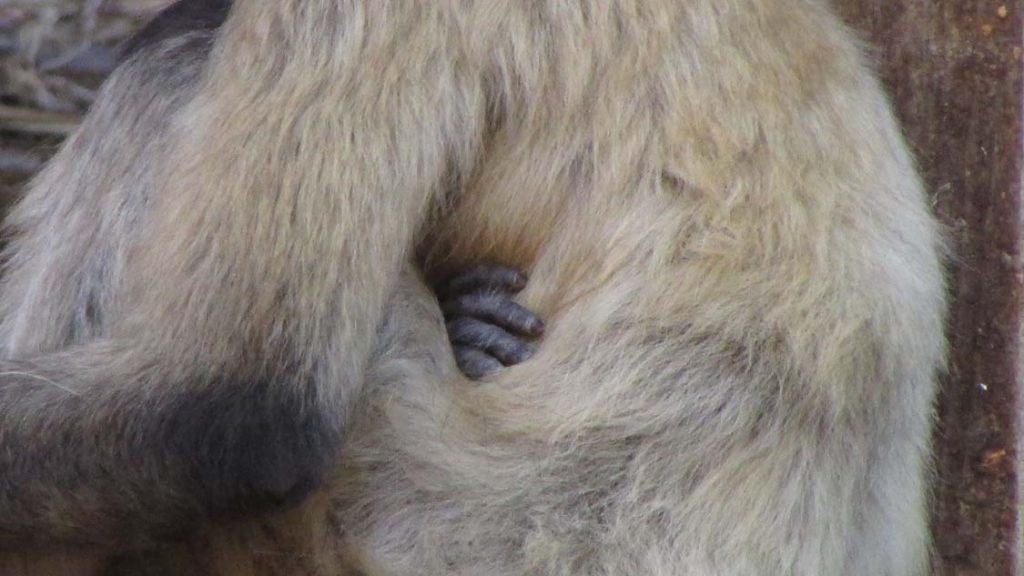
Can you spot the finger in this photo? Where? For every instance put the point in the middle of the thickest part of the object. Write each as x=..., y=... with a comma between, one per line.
x=495, y=341
x=495, y=309
x=476, y=363
x=487, y=277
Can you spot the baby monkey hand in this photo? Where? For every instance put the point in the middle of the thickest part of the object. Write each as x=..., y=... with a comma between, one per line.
x=488, y=331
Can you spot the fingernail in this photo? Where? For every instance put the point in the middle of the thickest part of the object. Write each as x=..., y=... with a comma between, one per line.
x=536, y=326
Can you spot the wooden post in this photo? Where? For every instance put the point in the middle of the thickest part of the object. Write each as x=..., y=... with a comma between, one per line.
x=954, y=70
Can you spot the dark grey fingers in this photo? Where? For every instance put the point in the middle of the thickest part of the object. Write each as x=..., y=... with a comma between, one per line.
x=485, y=277
x=475, y=363
x=487, y=329
x=492, y=339
x=495, y=308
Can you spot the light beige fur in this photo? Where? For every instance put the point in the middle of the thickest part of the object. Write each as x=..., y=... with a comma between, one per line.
x=725, y=234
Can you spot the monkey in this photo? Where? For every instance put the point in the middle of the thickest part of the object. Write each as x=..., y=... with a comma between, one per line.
x=739, y=276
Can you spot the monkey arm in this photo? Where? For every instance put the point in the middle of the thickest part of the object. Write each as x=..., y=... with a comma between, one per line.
x=251, y=302
x=104, y=445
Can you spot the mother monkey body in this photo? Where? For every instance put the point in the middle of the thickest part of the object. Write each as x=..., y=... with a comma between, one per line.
x=723, y=229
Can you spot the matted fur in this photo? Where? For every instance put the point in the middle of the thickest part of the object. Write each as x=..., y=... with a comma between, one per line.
x=725, y=234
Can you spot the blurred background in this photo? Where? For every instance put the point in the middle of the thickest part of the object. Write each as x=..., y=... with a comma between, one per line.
x=53, y=56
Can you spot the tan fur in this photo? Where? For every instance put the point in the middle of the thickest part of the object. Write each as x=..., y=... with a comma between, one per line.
x=725, y=235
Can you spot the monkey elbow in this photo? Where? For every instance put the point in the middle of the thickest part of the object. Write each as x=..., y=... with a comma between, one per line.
x=265, y=447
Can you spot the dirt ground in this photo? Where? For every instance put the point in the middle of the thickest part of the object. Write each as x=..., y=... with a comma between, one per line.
x=53, y=56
